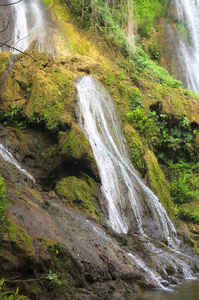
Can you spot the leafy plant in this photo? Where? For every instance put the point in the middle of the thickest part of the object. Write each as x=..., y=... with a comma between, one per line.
x=182, y=188
x=6, y=296
x=53, y=276
x=146, y=13
x=176, y=138
x=15, y=116
x=148, y=68
x=186, y=215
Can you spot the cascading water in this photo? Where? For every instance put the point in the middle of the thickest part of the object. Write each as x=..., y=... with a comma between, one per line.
x=129, y=200
x=7, y=156
x=187, y=42
x=130, y=204
x=21, y=24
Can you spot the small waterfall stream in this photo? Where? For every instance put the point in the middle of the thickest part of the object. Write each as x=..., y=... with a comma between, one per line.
x=187, y=43
x=7, y=156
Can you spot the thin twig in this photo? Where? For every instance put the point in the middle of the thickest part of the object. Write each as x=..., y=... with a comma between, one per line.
x=21, y=39
x=12, y=100
x=25, y=280
x=12, y=47
x=10, y=3
x=5, y=28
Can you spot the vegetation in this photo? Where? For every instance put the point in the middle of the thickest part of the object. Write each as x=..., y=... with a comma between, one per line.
x=9, y=295
x=147, y=12
x=59, y=283
x=80, y=193
x=3, y=202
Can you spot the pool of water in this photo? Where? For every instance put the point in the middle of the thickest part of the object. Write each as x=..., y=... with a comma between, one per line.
x=186, y=291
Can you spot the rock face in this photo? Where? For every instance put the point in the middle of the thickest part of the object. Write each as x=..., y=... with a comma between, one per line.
x=50, y=235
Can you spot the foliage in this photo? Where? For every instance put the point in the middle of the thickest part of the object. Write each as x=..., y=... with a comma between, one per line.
x=15, y=116
x=175, y=138
x=141, y=121
x=3, y=201
x=61, y=281
x=41, y=121
x=53, y=276
x=182, y=188
x=146, y=13
x=186, y=214
x=154, y=49
x=13, y=296
x=145, y=125
x=149, y=69
x=135, y=99
x=184, y=182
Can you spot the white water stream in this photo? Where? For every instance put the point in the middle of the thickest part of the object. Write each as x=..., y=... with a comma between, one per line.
x=25, y=24
x=187, y=12
x=7, y=156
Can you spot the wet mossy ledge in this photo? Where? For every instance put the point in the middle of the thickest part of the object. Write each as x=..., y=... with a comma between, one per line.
x=81, y=193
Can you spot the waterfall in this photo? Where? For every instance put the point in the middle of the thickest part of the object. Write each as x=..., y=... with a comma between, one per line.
x=24, y=24
x=7, y=156
x=131, y=204
x=126, y=197
x=187, y=42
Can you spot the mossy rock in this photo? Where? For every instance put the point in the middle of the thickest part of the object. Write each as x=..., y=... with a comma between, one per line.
x=80, y=193
x=4, y=59
x=43, y=87
x=157, y=181
x=75, y=143
x=75, y=146
x=136, y=149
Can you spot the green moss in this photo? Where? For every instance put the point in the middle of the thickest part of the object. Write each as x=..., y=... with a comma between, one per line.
x=136, y=149
x=61, y=274
x=146, y=13
x=157, y=182
x=4, y=59
x=47, y=1
x=79, y=193
x=19, y=237
x=75, y=144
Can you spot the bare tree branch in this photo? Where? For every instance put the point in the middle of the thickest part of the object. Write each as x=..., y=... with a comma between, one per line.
x=10, y=3
x=4, y=44
x=5, y=28
x=1, y=100
x=21, y=39
x=12, y=47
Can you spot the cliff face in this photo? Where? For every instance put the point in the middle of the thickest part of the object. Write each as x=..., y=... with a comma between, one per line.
x=55, y=243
